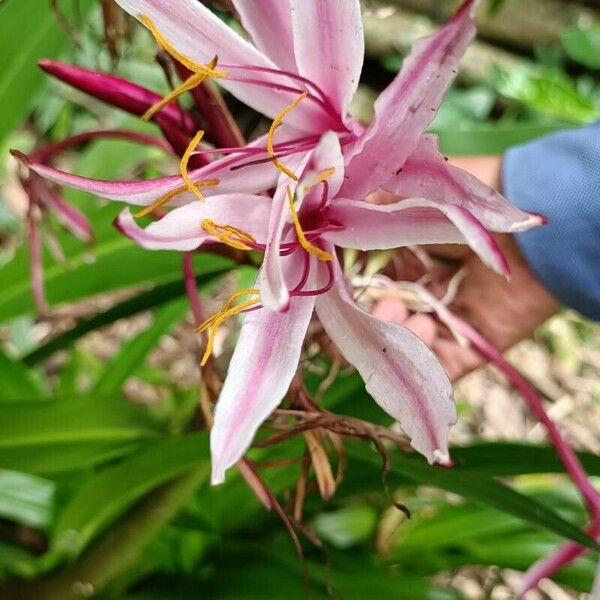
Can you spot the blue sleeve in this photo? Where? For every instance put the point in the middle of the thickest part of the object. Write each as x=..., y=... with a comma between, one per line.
x=558, y=176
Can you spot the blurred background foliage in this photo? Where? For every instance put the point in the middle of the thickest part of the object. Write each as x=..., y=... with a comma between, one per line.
x=103, y=465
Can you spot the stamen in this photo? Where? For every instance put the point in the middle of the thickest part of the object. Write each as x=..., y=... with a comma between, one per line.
x=320, y=254
x=173, y=194
x=324, y=175
x=200, y=72
x=189, y=84
x=183, y=166
x=224, y=234
x=161, y=202
x=321, y=178
x=227, y=310
x=208, y=70
x=276, y=123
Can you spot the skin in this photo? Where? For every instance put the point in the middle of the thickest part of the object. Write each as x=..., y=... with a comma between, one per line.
x=505, y=312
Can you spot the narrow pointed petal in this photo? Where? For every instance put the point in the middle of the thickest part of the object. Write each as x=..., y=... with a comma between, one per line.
x=269, y=24
x=262, y=367
x=181, y=228
x=273, y=288
x=411, y=222
x=199, y=34
x=272, y=282
x=426, y=174
x=408, y=105
x=400, y=372
x=329, y=46
x=250, y=179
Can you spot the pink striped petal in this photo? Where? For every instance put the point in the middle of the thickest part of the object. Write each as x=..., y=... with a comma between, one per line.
x=426, y=174
x=181, y=229
x=195, y=31
x=400, y=372
x=408, y=105
x=250, y=179
x=269, y=24
x=411, y=222
x=329, y=46
x=274, y=292
x=262, y=367
x=272, y=283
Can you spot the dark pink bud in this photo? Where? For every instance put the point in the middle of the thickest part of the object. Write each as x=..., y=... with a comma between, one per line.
x=119, y=92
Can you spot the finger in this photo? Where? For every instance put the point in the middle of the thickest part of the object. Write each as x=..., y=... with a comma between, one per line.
x=457, y=361
x=390, y=309
x=424, y=326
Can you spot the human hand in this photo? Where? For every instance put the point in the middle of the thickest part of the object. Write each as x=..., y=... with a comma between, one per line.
x=504, y=311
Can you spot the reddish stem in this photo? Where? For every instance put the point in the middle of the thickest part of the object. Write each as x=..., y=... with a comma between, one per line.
x=189, y=279
x=568, y=552
x=43, y=155
x=568, y=457
x=555, y=561
x=36, y=269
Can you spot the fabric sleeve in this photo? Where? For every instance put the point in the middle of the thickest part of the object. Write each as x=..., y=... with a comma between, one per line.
x=558, y=176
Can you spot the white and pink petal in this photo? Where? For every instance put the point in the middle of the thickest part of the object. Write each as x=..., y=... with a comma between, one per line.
x=400, y=372
x=264, y=362
x=407, y=106
x=231, y=171
x=427, y=174
x=329, y=46
x=269, y=23
x=181, y=228
x=196, y=32
x=411, y=222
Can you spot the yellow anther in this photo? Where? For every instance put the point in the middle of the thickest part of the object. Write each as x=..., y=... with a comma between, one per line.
x=183, y=166
x=173, y=194
x=226, y=233
x=320, y=178
x=161, y=201
x=208, y=70
x=200, y=72
x=324, y=175
x=274, y=125
x=189, y=84
x=227, y=310
x=320, y=254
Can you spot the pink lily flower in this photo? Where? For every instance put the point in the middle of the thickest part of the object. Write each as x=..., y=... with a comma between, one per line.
x=313, y=48
x=302, y=71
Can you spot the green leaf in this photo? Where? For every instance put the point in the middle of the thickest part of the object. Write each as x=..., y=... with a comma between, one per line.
x=116, y=263
x=478, y=488
x=491, y=138
x=494, y=6
x=209, y=269
x=553, y=95
x=18, y=382
x=26, y=499
x=104, y=497
x=348, y=526
x=582, y=45
x=63, y=433
x=504, y=459
x=29, y=30
x=133, y=352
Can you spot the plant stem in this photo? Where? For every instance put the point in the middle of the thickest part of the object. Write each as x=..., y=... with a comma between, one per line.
x=568, y=457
